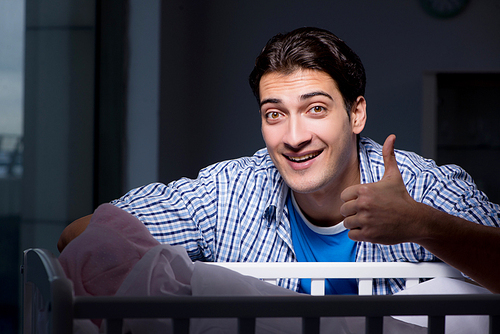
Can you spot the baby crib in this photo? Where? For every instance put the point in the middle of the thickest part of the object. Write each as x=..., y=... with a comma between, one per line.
x=46, y=288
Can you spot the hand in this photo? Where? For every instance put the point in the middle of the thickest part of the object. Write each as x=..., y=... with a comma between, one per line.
x=381, y=212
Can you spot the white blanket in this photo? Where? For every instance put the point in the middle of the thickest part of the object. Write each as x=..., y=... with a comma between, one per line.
x=163, y=269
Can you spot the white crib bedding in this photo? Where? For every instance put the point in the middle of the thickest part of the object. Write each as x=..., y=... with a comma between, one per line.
x=164, y=268
x=154, y=274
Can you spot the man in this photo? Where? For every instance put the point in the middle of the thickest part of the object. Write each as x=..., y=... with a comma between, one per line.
x=319, y=191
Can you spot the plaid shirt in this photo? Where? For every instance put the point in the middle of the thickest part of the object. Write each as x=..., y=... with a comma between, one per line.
x=235, y=210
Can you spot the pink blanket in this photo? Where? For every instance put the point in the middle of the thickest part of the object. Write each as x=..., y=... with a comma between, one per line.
x=100, y=258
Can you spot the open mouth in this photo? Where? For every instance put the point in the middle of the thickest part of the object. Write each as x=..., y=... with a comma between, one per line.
x=303, y=158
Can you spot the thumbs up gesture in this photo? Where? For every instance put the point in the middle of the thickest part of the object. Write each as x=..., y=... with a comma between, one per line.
x=381, y=212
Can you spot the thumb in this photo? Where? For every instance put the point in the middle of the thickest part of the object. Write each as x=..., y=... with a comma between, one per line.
x=391, y=166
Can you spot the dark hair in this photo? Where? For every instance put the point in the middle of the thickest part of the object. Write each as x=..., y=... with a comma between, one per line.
x=316, y=49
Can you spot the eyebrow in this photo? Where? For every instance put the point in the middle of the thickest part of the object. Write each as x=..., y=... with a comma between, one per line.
x=302, y=97
x=321, y=93
x=273, y=101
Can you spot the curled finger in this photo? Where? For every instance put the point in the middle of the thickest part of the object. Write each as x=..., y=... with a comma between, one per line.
x=349, y=194
x=349, y=208
x=351, y=223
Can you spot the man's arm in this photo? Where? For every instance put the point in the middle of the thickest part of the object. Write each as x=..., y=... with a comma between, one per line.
x=472, y=248
x=384, y=213
x=72, y=231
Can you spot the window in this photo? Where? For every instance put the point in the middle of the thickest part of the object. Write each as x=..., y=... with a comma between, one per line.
x=11, y=151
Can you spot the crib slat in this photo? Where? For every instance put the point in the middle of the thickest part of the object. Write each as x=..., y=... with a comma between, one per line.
x=114, y=326
x=411, y=282
x=180, y=325
x=494, y=324
x=246, y=325
x=317, y=287
x=365, y=286
x=374, y=325
x=436, y=325
x=310, y=325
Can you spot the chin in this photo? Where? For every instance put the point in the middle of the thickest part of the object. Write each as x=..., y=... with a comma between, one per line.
x=303, y=187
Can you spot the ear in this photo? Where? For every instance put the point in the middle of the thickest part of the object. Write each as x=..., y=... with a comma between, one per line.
x=358, y=115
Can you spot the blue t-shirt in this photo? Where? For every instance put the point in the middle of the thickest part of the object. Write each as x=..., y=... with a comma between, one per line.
x=321, y=244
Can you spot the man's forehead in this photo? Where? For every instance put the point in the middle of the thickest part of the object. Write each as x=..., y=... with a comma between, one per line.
x=303, y=81
x=296, y=72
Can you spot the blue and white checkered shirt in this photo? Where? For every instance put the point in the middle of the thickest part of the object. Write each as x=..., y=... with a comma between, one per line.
x=235, y=210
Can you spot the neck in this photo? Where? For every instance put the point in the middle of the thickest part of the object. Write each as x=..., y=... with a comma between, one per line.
x=322, y=207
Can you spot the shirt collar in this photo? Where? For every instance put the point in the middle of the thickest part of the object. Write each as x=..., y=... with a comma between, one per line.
x=364, y=162
x=281, y=201
x=277, y=201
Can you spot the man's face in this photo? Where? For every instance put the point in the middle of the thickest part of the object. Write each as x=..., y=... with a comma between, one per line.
x=307, y=130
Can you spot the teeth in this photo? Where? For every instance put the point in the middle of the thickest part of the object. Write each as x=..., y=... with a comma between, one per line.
x=303, y=158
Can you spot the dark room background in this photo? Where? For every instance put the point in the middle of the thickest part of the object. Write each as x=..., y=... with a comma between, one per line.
x=117, y=94
x=207, y=111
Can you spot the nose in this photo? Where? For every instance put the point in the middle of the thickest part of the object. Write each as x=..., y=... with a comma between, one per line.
x=297, y=134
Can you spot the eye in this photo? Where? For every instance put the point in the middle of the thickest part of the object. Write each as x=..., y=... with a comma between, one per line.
x=273, y=115
x=317, y=109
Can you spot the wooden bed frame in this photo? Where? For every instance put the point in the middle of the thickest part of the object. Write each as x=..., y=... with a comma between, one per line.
x=46, y=287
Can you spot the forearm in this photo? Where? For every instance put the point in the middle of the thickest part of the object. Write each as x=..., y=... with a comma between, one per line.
x=472, y=248
x=72, y=231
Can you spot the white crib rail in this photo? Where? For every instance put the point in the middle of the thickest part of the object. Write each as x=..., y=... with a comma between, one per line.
x=364, y=271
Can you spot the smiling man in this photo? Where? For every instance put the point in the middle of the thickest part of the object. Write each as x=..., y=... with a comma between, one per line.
x=319, y=191
x=311, y=139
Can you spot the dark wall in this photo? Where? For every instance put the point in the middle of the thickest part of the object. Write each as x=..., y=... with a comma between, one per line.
x=208, y=113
